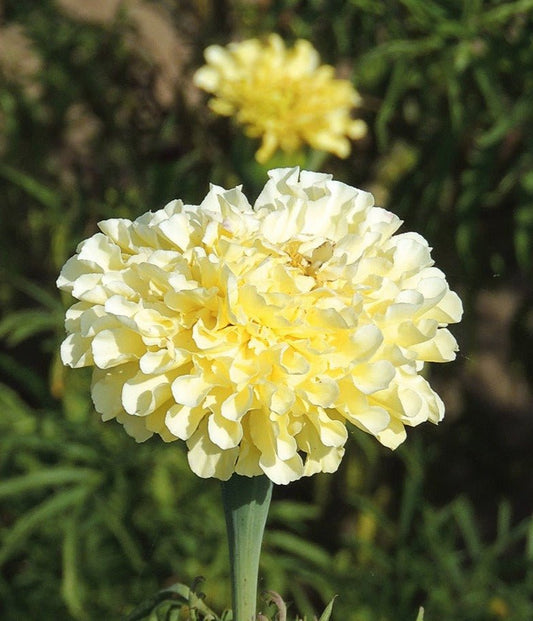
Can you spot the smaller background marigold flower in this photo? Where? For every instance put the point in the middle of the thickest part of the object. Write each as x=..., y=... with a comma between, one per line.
x=283, y=96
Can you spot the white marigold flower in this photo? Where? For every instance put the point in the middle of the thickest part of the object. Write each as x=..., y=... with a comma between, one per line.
x=255, y=334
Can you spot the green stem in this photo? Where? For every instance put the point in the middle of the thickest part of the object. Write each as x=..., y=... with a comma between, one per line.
x=246, y=501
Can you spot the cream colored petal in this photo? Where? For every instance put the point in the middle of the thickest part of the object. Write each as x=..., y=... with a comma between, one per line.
x=293, y=362
x=121, y=307
x=402, y=311
x=155, y=423
x=372, y=419
x=216, y=55
x=411, y=254
x=279, y=471
x=323, y=459
x=135, y=427
x=223, y=432
x=74, y=314
x=76, y=351
x=95, y=319
x=150, y=323
x=319, y=458
x=393, y=435
x=331, y=432
x=190, y=300
x=357, y=129
x=429, y=408
x=70, y=272
x=87, y=287
x=163, y=360
x=114, y=347
x=106, y=389
x=180, y=231
x=237, y=404
x=206, y=338
x=119, y=231
x=142, y=394
x=183, y=421
x=373, y=376
x=190, y=390
x=286, y=446
x=206, y=459
x=102, y=252
x=282, y=399
x=433, y=289
x=410, y=334
x=322, y=392
x=442, y=348
x=365, y=342
x=326, y=318
x=248, y=460
x=448, y=310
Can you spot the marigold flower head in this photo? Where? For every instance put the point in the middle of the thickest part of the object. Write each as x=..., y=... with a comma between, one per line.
x=256, y=334
x=283, y=96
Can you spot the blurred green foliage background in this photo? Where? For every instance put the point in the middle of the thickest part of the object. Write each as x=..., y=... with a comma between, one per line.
x=99, y=118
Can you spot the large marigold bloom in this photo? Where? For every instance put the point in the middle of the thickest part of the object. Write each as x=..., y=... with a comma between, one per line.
x=283, y=96
x=255, y=334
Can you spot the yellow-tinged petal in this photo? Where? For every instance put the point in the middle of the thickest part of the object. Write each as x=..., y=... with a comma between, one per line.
x=278, y=470
x=206, y=459
x=113, y=347
x=332, y=432
x=320, y=458
x=106, y=389
x=282, y=399
x=135, y=427
x=373, y=376
x=393, y=435
x=142, y=394
x=237, y=404
x=76, y=351
x=223, y=432
x=183, y=421
x=441, y=348
x=190, y=390
x=293, y=362
x=320, y=392
x=372, y=419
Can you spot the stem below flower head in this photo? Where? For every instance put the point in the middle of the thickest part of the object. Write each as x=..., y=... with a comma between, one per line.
x=246, y=502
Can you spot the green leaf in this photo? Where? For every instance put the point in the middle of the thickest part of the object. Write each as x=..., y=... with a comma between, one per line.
x=126, y=542
x=33, y=290
x=185, y=597
x=288, y=511
x=299, y=547
x=21, y=325
x=31, y=186
x=71, y=584
x=396, y=88
x=327, y=611
x=32, y=382
x=45, y=478
x=40, y=514
x=464, y=516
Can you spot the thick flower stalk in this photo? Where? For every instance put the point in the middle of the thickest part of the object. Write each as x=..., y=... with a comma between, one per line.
x=283, y=96
x=257, y=334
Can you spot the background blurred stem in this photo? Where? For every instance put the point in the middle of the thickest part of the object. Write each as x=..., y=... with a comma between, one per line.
x=246, y=502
